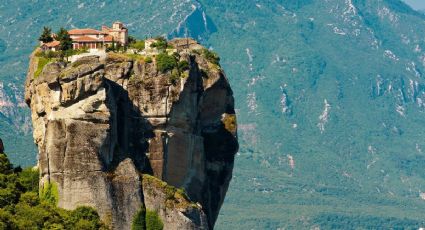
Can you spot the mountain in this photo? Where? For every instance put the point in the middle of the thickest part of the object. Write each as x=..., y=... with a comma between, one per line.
x=329, y=96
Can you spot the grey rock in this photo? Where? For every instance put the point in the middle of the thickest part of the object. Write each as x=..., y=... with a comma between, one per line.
x=102, y=127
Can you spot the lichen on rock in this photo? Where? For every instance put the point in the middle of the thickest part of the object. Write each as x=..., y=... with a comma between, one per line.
x=102, y=127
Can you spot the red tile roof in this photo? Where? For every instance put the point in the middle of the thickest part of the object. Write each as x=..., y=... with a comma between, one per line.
x=86, y=39
x=86, y=31
x=52, y=44
x=107, y=38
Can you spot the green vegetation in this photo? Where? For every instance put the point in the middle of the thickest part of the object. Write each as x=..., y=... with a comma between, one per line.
x=139, y=45
x=139, y=222
x=65, y=39
x=42, y=61
x=175, y=75
x=338, y=221
x=146, y=220
x=135, y=57
x=165, y=62
x=153, y=221
x=22, y=208
x=46, y=35
x=175, y=197
x=131, y=40
x=72, y=52
x=50, y=193
x=183, y=66
x=311, y=63
x=211, y=56
x=148, y=59
x=161, y=44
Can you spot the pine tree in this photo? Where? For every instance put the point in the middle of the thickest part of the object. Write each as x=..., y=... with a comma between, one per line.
x=64, y=39
x=46, y=36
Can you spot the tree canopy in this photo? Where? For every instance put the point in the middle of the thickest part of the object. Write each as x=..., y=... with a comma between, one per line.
x=46, y=35
x=65, y=39
x=21, y=206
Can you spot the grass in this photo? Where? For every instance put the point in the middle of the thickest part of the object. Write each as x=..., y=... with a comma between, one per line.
x=42, y=62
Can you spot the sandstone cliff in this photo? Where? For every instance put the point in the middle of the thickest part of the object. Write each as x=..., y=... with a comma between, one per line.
x=103, y=126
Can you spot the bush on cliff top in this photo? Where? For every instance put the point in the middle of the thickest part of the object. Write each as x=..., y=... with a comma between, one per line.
x=211, y=56
x=165, y=62
x=22, y=208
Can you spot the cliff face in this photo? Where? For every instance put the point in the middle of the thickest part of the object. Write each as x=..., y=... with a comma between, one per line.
x=102, y=126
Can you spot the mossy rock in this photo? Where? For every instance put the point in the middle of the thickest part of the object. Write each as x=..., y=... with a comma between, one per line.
x=175, y=197
x=117, y=57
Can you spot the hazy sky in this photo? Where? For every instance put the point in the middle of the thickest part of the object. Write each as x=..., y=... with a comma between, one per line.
x=416, y=4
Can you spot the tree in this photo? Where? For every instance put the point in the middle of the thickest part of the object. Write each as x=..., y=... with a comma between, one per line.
x=131, y=40
x=160, y=44
x=64, y=39
x=85, y=218
x=165, y=62
x=138, y=45
x=5, y=166
x=46, y=36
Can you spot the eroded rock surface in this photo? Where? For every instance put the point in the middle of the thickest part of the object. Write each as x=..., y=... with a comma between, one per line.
x=99, y=126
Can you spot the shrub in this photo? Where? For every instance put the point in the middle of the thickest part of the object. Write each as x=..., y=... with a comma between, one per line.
x=153, y=221
x=183, y=66
x=175, y=76
x=138, y=45
x=28, y=178
x=131, y=40
x=165, y=62
x=134, y=57
x=148, y=60
x=161, y=43
x=5, y=166
x=30, y=198
x=6, y=220
x=85, y=218
x=20, y=207
x=139, y=222
x=50, y=193
x=7, y=197
x=211, y=56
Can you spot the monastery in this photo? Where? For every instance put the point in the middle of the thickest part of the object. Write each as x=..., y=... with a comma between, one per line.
x=94, y=39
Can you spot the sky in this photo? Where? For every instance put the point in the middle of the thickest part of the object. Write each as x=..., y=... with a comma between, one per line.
x=416, y=4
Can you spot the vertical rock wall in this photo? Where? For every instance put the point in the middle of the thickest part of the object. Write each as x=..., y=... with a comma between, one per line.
x=100, y=125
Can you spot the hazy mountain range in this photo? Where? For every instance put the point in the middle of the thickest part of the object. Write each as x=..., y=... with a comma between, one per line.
x=330, y=96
